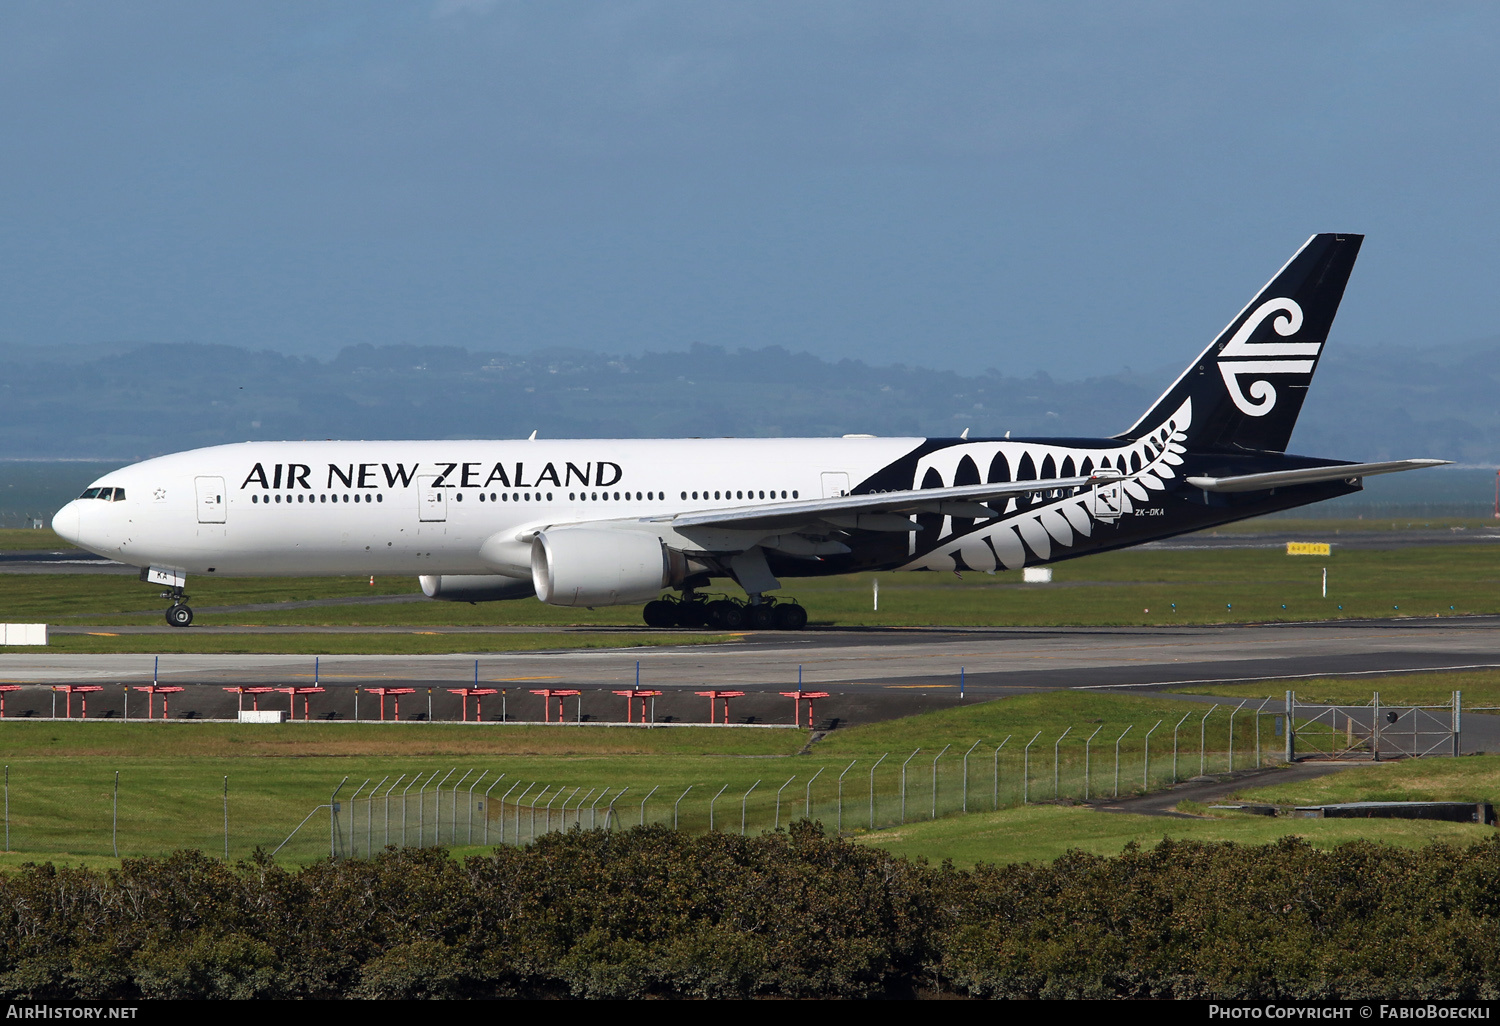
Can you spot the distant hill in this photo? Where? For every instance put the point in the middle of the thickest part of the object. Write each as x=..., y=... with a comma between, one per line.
x=126, y=402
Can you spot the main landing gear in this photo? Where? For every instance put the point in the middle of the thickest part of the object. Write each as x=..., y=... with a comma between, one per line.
x=725, y=614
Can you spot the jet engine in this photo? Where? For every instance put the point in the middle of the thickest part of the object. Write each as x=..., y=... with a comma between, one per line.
x=589, y=566
x=474, y=588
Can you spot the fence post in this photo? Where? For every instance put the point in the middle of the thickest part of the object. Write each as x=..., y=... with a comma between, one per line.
x=514, y=784
x=370, y=817
x=807, y=798
x=548, y=811
x=397, y=784
x=1458, y=712
x=333, y=817
x=1117, y=758
x=711, y=801
x=7, y=808
x=114, y=824
x=593, y=809
x=609, y=813
x=909, y=758
x=486, y=800
x=935, y=759
x=1146, y=768
x=578, y=809
x=1231, y=733
x=1026, y=770
x=1087, y=742
x=1056, y=748
x=354, y=812
x=872, y=789
x=841, y=797
x=966, y=774
x=477, y=781
x=453, y=809
x=743, y=801
x=1203, y=741
x=1174, y=744
x=531, y=835
x=684, y=795
x=997, y=771
x=226, y=818
x=437, y=804
x=1291, y=744
x=409, y=786
x=517, y=830
x=1374, y=728
x=1261, y=710
x=644, y=801
x=777, y=824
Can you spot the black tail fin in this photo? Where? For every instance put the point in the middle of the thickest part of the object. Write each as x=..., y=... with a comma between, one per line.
x=1246, y=389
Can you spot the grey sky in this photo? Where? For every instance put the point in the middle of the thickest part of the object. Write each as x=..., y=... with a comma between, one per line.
x=1066, y=187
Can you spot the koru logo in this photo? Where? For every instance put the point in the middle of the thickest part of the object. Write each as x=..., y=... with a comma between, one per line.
x=1265, y=357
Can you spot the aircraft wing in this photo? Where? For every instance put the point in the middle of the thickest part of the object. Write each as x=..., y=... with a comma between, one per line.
x=879, y=511
x=1309, y=475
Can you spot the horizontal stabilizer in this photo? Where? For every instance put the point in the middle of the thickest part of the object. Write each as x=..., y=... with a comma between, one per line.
x=1309, y=475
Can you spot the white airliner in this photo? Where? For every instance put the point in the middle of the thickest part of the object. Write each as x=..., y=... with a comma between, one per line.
x=605, y=522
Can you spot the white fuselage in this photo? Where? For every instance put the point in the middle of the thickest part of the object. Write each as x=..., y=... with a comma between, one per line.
x=416, y=507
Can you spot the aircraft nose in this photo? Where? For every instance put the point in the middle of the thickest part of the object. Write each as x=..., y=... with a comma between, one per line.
x=66, y=522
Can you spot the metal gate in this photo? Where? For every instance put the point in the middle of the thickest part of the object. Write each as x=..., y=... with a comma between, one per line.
x=1372, y=731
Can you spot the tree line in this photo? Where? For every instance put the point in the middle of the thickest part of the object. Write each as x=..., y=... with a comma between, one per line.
x=795, y=913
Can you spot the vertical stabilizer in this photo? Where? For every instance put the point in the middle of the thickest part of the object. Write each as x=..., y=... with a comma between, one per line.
x=1247, y=388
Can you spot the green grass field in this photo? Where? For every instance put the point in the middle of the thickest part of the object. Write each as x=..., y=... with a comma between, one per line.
x=1124, y=588
x=172, y=774
x=1481, y=689
x=379, y=641
x=1474, y=778
x=1042, y=833
x=61, y=779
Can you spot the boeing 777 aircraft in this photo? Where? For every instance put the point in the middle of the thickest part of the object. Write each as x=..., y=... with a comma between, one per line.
x=606, y=522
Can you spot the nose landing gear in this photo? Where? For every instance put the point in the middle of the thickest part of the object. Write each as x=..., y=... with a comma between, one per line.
x=178, y=613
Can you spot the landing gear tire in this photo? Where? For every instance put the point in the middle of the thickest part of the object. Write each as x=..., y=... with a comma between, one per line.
x=726, y=615
x=179, y=615
x=762, y=617
x=789, y=616
x=660, y=614
x=692, y=614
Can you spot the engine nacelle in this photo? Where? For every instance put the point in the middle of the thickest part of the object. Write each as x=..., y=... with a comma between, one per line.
x=474, y=588
x=591, y=566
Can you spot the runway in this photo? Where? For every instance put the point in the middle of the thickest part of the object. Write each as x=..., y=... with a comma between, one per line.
x=874, y=672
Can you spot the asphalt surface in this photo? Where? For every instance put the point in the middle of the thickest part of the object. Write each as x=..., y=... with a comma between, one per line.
x=870, y=674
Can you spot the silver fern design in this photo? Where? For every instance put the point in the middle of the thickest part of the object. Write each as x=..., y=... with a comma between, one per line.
x=1265, y=357
x=1030, y=530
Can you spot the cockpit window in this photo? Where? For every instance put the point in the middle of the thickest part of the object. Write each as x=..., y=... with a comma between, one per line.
x=119, y=495
x=107, y=494
x=90, y=493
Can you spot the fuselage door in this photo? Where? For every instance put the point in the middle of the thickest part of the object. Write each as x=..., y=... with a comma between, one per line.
x=1106, y=501
x=432, y=502
x=835, y=483
x=211, y=504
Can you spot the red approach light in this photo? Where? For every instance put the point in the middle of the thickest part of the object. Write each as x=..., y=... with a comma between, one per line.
x=714, y=696
x=548, y=694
